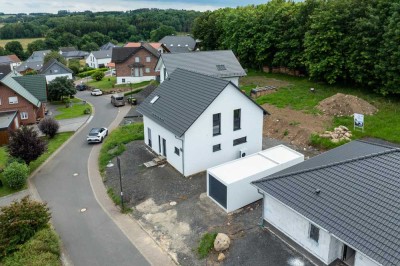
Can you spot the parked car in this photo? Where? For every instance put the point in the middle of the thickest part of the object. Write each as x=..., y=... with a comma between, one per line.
x=117, y=100
x=113, y=72
x=81, y=87
x=96, y=92
x=97, y=134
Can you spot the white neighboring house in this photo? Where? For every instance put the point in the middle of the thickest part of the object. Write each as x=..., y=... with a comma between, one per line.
x=198, y=121
x=219, y=64
x=54, y=69
x=99, y=59
x=340, y=205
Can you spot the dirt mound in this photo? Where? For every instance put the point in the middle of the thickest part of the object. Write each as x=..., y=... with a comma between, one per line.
x=345, y=105
x=293, y=126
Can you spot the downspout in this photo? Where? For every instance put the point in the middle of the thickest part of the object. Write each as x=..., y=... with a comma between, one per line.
x=261, y=223
x=183, y=161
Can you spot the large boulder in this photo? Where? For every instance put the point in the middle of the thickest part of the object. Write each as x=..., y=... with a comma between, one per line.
x=222, y=242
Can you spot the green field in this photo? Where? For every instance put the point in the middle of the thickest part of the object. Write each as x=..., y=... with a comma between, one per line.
x=24, y=42
x=385, y=124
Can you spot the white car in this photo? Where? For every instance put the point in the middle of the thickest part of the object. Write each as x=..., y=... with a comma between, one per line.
x=96, y=92
x=97, y=134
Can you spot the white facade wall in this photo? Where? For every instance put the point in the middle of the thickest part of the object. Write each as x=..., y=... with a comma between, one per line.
x=199, y=139
x=130, y=79
x=171, y=142
x=51, y=77
x=94, y=62
x=234, y=80
x=363, y=260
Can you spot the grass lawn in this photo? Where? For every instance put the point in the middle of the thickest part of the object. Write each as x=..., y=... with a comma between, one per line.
x=76, y=110
x=108, y=83
x=24, y=42
x=384, y=125
x=53, y=145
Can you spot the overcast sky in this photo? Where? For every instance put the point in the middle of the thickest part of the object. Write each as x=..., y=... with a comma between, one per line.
x=52, y=6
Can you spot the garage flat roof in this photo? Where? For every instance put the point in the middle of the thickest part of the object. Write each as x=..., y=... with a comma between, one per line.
x=253, y=164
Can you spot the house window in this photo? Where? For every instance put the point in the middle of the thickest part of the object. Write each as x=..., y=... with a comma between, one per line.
x=314, y=233
x=137, y=59
x=148, y=59
x=24, y=115
x=147, y=70
x=13, y=100
x=0, y=101
x=216, y=124
x=137, y=72
x=176, y=151
x=236, y=119
x=123, y=80
x=217, y=147
x=149, y=136
x=239, y=141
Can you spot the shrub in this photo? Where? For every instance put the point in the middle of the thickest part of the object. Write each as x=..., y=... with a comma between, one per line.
x=49, y=126
x=26, y=144
x=19, y=222
x=16, y=174
x=98, y=75
x=87, y=111
x=42, y=249
x=206, y=244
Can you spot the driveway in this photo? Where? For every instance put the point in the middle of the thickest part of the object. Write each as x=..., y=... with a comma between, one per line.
x=176, y=212
x=88, y=234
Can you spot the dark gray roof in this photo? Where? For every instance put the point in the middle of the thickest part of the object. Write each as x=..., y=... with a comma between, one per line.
x=183, y=97
x=108, y=46
x=359, y=198
x=75, y=54
x=67, y=49
x=102, y=54
x=4, y=70
x=53, y=63
x=214, y=63
x=35, y=84
x=6, y=118
x=174, y=42
x=38, y=55
x=121, y=54
x=34, y=65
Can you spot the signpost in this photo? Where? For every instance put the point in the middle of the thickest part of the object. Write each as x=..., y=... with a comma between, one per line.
x=359, y=121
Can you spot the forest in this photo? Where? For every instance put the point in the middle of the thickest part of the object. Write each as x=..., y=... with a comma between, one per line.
x=88, y=30
x=355, y=42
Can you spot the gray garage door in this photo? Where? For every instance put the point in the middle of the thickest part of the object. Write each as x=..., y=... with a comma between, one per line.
x=217, y=190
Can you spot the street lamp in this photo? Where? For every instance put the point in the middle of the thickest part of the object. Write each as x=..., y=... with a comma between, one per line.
x=109, y=165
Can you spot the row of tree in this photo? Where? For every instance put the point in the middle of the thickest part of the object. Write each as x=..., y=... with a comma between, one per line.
x=120, y=26
x=351, y=41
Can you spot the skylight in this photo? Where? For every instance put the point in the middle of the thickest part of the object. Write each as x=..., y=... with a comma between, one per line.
x=155, y=98
x=221, y=67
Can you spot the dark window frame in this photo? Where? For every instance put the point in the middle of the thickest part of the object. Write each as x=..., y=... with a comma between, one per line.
x=216, y=147
x=314, y=232
x=237, y=117
x=239, y=141
x=216, y=124
x=176, y=151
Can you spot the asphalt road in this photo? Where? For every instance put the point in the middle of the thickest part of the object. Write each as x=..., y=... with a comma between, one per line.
x=90, y=237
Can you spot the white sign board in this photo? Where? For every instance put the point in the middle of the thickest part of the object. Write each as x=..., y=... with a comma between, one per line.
x=359, y=121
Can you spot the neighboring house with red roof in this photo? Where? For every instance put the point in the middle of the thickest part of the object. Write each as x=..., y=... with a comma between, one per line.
x=161, y=48
x=11, y=60
x=21, y=94
x=135, y=64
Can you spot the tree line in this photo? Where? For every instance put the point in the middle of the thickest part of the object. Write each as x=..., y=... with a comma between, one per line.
x=336, y=41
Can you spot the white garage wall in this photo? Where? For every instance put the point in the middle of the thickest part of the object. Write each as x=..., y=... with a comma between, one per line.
x=134, y=79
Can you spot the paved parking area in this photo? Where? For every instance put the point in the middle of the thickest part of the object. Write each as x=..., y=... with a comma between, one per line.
x=176, y=212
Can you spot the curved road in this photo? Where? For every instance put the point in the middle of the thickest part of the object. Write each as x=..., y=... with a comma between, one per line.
x=90, y=237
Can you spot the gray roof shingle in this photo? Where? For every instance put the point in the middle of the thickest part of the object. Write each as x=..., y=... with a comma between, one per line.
x=102, y=54
x=51, y=64
x=359, y=199
x=108, y=46
x=175, y=43
x=4, y=70
x=213, y=63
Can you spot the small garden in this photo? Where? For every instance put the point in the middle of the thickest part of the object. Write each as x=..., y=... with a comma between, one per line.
x=109, y=83
x=25, y=152
x=71, y=108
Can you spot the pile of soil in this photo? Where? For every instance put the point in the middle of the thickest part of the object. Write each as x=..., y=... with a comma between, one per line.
x=345, y=105
x=293, y=126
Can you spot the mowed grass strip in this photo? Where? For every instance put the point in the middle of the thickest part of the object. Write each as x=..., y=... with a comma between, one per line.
x=76, y=110
x=385, y=124
x=108, y=83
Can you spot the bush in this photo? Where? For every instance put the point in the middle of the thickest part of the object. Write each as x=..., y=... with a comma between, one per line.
x=206, y=244
x=26, y=144
x=90, y=72
x=87, y=111
x=16, y=174
x=42, y=249
x=49, y=126
x=98, y=75
x=19, y=222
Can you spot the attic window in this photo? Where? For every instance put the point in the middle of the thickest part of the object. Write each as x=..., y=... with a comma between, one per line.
x=154, y=99
x=221, y=67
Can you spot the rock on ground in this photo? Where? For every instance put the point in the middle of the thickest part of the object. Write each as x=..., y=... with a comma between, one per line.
x=222, y=242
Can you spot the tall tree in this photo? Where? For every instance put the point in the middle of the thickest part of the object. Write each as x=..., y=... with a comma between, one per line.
x=61, y=87
x=161, y=32
x=54, y=55
x=15, y=47
x=36, y=46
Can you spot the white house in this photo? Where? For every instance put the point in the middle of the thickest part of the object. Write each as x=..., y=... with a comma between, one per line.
x=219, y=64
x=198, y=121
x=341, y=205
x=99, y=59
x=54, y=69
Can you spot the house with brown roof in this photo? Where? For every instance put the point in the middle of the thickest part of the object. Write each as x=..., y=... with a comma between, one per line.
x=160, y=47
x=20, y=95
x=135, y=64
x=11, y=60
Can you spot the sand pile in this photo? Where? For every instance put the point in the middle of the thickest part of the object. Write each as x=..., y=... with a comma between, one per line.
x=345, y=105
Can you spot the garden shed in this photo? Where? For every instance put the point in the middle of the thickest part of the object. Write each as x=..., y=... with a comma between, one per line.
x=229, y=184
